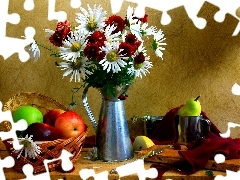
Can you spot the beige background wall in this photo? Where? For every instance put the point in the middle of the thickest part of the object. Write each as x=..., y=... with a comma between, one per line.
x=196, y=62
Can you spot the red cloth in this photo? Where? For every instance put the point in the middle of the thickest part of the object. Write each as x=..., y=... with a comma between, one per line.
x=199, y=151
x=89, y=142
x=166, y=130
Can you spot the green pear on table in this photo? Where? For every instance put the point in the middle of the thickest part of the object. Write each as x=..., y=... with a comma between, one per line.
x=191, y=108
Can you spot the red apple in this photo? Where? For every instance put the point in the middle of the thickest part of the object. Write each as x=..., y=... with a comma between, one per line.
x=69, y=124
x=51, y=116
x=41, y=132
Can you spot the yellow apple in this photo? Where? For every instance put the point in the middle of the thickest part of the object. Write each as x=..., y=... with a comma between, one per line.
x=69, y=124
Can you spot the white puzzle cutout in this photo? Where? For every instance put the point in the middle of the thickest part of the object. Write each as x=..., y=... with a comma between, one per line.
x=87, y=173
x=18, y=126
x=192, y=9
x=7, y=162
x=66, y=165
x=6, y=43
x=135, y=167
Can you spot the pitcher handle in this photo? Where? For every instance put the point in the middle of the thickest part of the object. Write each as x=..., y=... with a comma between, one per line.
x=87, y=108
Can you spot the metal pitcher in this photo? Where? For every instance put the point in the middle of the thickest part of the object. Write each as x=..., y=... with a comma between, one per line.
x=191, y=128
x=112, y=133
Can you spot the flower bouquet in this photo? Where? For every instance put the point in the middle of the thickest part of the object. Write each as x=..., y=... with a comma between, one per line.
x=103, y=52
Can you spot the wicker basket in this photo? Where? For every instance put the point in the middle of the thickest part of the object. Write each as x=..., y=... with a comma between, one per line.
x=49, y=149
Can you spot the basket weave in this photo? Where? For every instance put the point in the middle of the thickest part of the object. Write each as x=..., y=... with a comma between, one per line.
x=49, y=149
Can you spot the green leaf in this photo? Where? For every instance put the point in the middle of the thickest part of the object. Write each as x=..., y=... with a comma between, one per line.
x=209, y=173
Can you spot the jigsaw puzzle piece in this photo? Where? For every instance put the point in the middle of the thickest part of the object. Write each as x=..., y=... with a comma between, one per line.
x=5, y=17
x=192, y=8
x=230, y=175
x=87, y=173
x=225, y=7
x=137, y=167
x=53, y=15
x=6, y=43
x=236, y=89
x=222, y=18
x=7, y=162
x=28, y=171
x=20, y=125
x=66, y=165
x=29, y=5
x=219, y=158
x=75, y=3
x=116, y=5
x=228, y=132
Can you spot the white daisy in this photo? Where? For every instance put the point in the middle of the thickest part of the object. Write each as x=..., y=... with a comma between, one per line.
x=112, y=60
x=158, y=43
x=34, y=51
x=109, y=36
x=134, y=27
x=130, y=12
x=73, y=45
x=147, y=31
x=140, y=69
x=30, y=148
x=91, y=20
x=75, y=68
x=140, y=30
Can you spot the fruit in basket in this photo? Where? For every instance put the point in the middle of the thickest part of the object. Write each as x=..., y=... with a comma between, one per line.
x=69, y=124
x=29, y=113
x=41, y=132
x=51, y=116
x=142, y=142
x=191, y=108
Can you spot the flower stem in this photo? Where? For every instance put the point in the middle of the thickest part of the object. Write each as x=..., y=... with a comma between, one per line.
x=49, y=49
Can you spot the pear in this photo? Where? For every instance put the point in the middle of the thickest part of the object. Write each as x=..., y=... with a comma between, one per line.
x=142, y=142
x=191, y=108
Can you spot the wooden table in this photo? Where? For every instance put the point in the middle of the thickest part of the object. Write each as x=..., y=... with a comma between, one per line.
x=100, y=166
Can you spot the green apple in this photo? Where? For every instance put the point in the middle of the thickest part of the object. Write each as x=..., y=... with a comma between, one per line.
x=29, y=113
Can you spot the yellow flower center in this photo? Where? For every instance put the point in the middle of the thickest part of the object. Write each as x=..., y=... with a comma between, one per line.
x=92, y=24
x=138, y=66
x=76, y=46
x=26, y=144
x=112, y=56
x=77, y=64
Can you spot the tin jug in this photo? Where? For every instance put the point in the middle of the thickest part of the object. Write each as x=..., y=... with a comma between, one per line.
x=112, y=140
